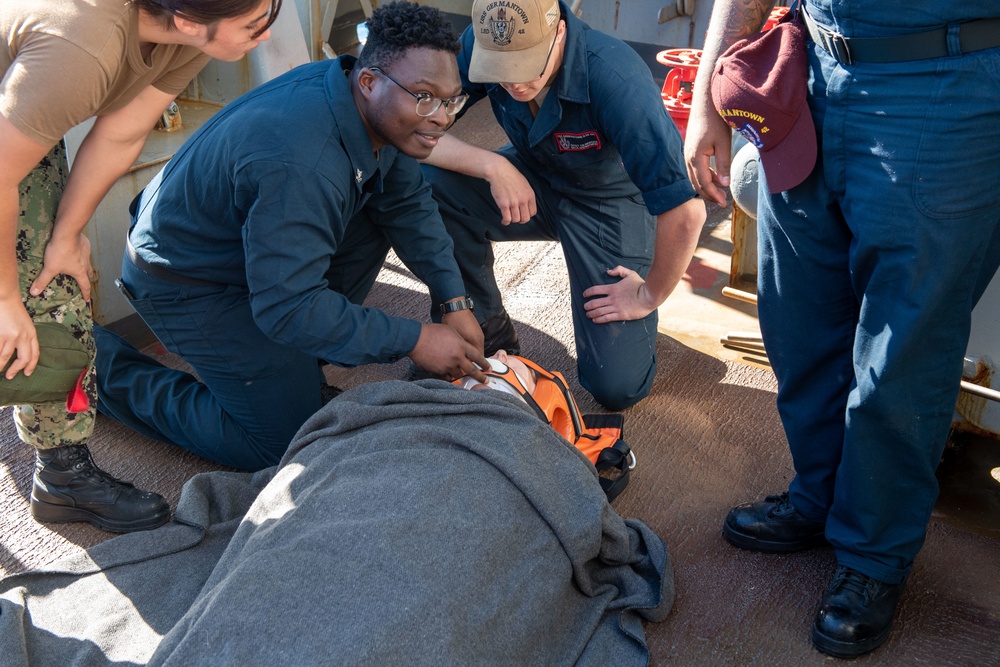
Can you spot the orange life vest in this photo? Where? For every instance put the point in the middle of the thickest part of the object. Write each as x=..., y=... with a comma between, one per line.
x=598, y=437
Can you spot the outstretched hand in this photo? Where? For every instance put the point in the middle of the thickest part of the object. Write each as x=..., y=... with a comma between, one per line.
x=443, y=352
x=464, y=322
x=627, y=299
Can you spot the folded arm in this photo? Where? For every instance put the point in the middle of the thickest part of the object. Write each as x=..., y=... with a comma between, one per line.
x=510, y=189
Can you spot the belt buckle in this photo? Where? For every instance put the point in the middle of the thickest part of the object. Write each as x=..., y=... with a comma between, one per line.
x=832, y=41
x=836, y=44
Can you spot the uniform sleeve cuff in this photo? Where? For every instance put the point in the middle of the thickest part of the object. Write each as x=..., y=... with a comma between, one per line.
x=407, y=335
x=664, y=199
x=447, y=289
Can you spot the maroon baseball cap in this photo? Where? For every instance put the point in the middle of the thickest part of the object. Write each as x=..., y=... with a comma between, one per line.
x=759, y=88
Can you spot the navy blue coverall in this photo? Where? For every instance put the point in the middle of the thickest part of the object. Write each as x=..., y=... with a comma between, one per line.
x=603, y=158
x=281, y=210
x=869, y=271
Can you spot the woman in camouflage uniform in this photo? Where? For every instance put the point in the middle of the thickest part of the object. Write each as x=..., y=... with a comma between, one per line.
x=61, y=63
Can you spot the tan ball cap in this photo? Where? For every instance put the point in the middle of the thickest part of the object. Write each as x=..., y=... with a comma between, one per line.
x=513, y=39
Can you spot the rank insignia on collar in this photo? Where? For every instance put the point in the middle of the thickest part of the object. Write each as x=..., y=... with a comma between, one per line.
x=358, y=176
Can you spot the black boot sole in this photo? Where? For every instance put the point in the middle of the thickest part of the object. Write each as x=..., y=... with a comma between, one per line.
x=48, y=513
x=752, y=543
x=842, y=649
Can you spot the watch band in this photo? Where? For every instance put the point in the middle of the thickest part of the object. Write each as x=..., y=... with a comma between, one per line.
x=464, y=303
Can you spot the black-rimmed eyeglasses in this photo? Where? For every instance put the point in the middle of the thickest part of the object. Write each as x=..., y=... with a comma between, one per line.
x=427, y=104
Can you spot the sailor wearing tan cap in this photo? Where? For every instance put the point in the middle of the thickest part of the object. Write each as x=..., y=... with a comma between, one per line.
x=594, y=162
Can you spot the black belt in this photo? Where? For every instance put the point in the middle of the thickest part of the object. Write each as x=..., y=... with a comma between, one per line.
x=161, y=271
x=972, y=36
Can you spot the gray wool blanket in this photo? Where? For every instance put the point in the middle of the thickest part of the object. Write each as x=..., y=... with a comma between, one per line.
x=408, y=524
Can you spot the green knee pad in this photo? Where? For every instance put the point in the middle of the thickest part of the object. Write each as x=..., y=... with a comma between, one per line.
x=61, y=360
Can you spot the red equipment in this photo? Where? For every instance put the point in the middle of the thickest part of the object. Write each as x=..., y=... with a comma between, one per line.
x=678, y=86
x=776, y=14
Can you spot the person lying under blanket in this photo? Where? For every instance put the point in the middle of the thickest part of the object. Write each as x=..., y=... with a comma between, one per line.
x=599, y=437
x=408, y=523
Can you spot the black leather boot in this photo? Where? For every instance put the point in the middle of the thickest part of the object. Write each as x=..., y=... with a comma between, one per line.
x=772, y=525
x=499, y=334
x=68, y=486
x=856, y=615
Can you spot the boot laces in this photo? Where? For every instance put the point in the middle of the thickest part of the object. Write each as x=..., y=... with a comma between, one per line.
x=782, y=505
x=81, y=460
x=855, y=582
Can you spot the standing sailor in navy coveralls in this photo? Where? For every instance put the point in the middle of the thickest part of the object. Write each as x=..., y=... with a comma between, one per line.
x=869, y=270
x=593, y=162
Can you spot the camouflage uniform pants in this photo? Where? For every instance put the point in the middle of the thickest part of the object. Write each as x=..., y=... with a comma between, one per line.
x=48, y=425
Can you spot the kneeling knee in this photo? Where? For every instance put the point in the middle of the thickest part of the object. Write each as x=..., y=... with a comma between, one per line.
x=616, y=395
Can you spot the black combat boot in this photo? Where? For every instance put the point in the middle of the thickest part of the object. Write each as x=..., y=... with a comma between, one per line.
x=499, y=334
x=68, y=486
x=856, y=615
x=772, y=525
